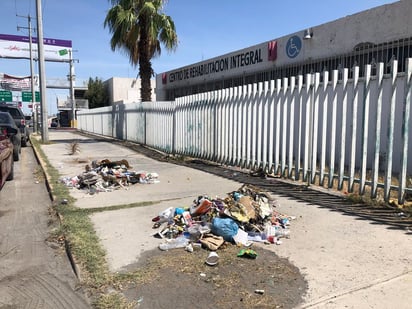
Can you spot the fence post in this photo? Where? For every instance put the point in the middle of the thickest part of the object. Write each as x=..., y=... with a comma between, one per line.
x=291, y=124
x=284, y=109
x=365, y=129
x=324, y=128
x=405, y=131
x=314, y=125
x=355, y=98
x=331, y=176
x=375, y=176
x=271, y=107
x=308, y=130
x=260, y=125
x=174, y=133
x=265, y=119
x=299, y=133
x=341, y=172
x=391, y=123
x=277, y=124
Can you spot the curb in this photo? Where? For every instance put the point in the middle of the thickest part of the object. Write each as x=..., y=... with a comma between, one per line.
x=53, y=198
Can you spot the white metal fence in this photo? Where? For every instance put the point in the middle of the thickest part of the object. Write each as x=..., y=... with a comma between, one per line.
x=321, y=128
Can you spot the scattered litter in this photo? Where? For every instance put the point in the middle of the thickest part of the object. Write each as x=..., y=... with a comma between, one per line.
x=241, y=238
x=260, y=292
x=212, y=259
x=225, y=227
x=140, y=300
x=179, y=242
x=248, y=253
x=245, y=216
x=106, y=176
x=211, y=241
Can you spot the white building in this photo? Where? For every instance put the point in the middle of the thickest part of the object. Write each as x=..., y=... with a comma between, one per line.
x=126, y=90
x=376, y=35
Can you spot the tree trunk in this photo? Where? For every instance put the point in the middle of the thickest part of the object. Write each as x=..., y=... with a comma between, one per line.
x=145, y=71
x=145, y=66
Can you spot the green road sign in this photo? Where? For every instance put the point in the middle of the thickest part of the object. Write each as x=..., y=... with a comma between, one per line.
x=27, y=96
x=6, y=96
x=63, y=52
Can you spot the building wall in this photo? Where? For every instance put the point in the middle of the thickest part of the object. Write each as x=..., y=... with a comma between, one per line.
x=126, y=90
x=375, y=26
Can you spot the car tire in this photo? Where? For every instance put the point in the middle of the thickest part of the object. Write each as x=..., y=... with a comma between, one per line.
x=16, y=155
x=11, y=175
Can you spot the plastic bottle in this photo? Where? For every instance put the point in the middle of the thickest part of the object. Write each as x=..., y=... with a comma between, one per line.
x=281, y=232
x=178, y=242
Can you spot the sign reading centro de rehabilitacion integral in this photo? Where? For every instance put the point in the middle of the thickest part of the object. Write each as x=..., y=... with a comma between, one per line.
x=16, y=46
x=226, y=63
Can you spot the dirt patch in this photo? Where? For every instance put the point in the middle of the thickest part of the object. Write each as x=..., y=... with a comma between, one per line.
x=179, y=279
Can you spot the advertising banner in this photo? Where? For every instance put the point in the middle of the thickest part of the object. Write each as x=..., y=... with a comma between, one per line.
x=16, y=46
x=17, y=89
x=16, y=83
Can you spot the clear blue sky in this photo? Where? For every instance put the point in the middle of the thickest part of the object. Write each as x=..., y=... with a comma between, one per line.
x=205, y=29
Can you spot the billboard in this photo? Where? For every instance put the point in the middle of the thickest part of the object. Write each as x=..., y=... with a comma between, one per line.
x=17, y=88
x=16, y=83
x=16, y=46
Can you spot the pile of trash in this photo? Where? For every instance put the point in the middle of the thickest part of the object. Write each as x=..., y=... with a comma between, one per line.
x=106, y=176
x=245, y=216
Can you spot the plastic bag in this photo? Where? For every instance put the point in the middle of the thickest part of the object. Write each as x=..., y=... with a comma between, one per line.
x=179, y=242
x=248, y=253
x=165, y=215
x=225, y=227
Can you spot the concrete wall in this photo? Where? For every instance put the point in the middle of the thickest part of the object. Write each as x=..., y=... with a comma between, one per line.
x=126, y=90
x=378, y=25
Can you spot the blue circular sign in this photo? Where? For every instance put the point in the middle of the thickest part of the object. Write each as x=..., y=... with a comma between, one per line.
x=293, y=46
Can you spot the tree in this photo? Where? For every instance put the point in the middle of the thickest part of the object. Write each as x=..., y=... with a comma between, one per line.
x=138, y=28
x=97, y=93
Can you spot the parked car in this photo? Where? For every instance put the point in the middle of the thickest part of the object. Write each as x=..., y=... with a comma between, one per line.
x=6, y=153
x=9, y=127
x=20, y=120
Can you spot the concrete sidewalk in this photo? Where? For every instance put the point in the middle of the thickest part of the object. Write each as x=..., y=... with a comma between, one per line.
x=348, y=261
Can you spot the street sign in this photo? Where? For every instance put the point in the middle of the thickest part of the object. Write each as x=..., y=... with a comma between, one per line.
x=27, y=96
x=6, y=96
x=63, y=52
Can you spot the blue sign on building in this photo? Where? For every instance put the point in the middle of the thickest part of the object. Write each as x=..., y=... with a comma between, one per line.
x=293, y=46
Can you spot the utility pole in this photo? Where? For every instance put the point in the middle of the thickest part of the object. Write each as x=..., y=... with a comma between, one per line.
x=42, y=74
x=72, y=99
x=33, y=92
x=33, y=100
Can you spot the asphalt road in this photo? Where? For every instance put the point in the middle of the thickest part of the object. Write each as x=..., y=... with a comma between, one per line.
x=33, y=273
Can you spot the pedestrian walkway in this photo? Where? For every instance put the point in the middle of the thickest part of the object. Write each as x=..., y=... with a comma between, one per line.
x=350, y=257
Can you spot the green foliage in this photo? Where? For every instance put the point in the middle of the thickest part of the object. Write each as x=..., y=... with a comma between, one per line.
x=97, y=93
x=139, y=28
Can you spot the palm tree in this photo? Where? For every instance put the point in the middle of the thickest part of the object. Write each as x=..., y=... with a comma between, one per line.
x=138, y=28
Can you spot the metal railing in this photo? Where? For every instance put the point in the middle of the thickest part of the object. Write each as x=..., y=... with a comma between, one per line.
x=322, y=128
